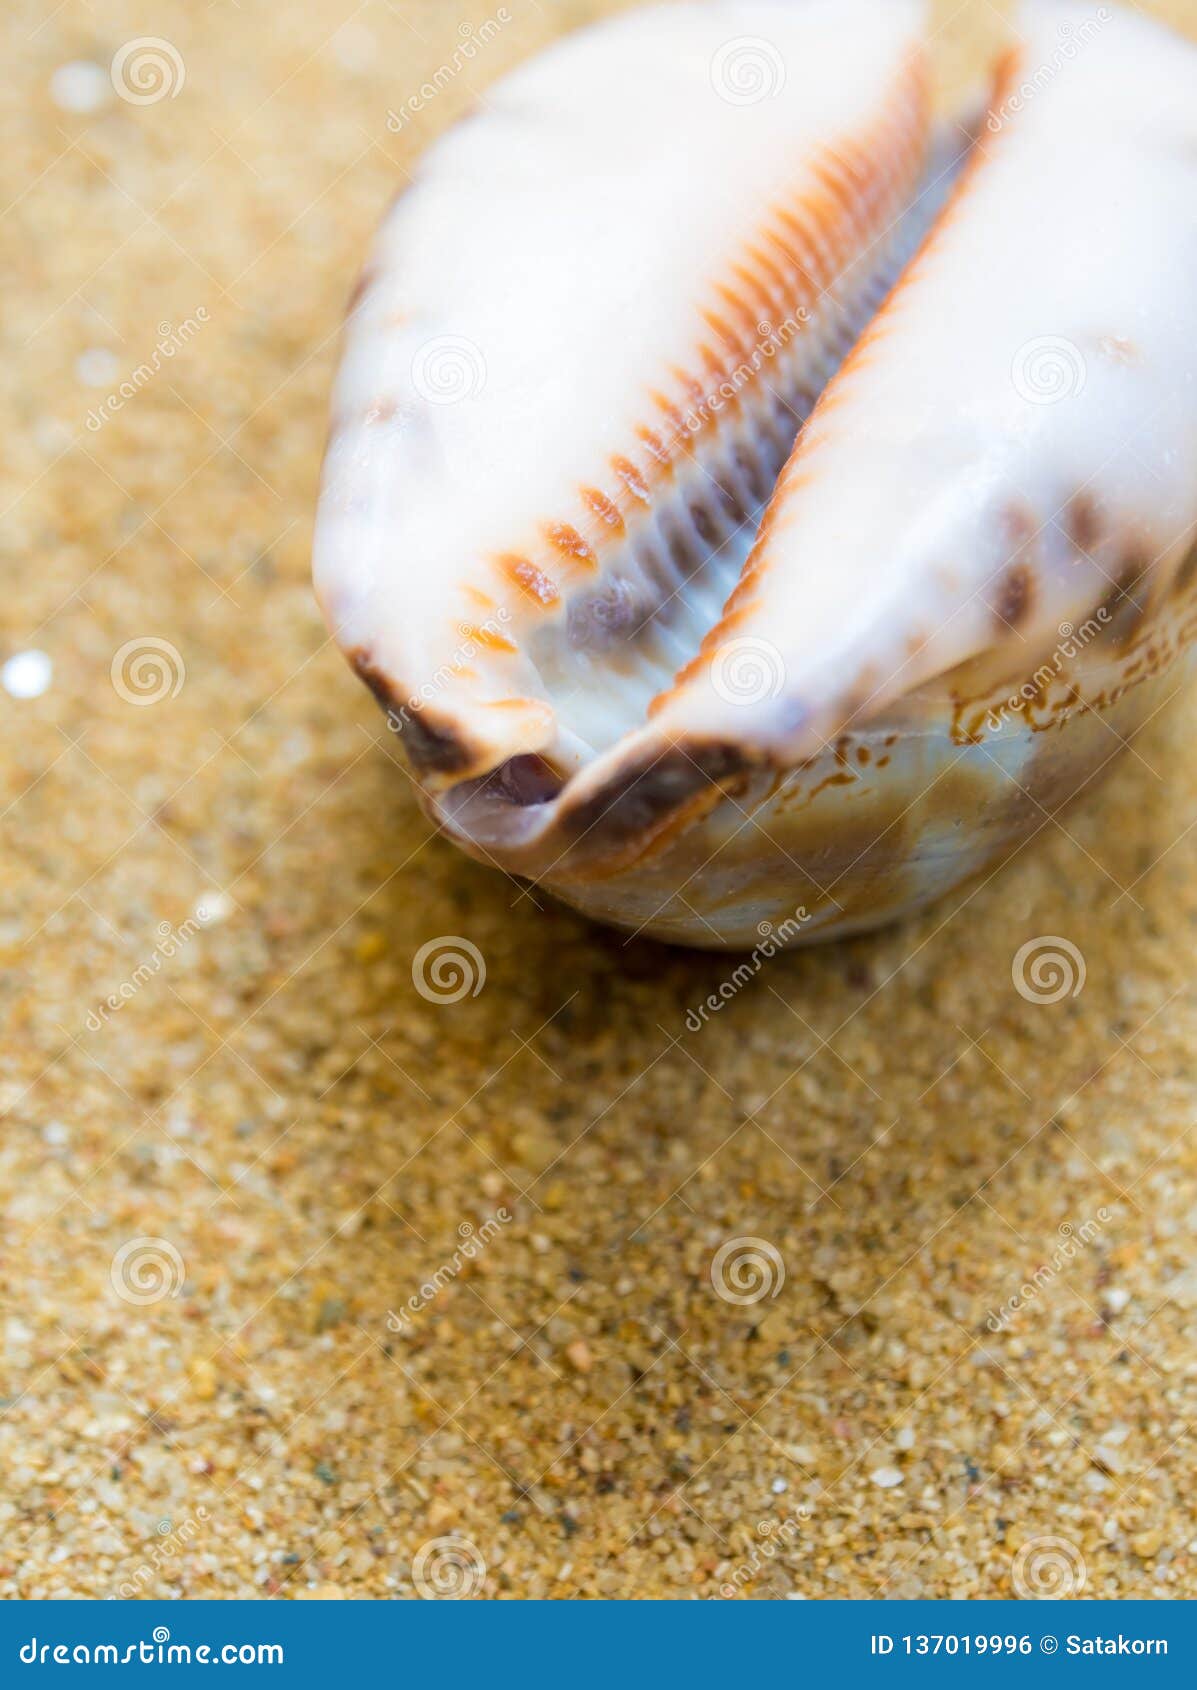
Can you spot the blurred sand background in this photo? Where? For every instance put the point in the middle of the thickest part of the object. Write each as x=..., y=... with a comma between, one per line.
x=211, y=1198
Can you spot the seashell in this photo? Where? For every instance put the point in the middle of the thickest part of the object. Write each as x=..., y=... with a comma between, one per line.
x=756, y=517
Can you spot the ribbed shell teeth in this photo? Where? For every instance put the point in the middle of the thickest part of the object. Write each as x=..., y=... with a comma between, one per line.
x=938, y=506
x=632, y=322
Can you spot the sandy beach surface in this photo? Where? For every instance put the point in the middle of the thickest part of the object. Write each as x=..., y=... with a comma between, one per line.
x=326, y=1275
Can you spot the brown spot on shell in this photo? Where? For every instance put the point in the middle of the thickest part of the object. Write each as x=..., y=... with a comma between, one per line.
x=842, y=777
x=1132, y=573
x=1124, y=607
x=1015, y=596
x=1084, y=522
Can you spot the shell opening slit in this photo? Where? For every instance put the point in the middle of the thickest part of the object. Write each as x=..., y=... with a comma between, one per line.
x=715, y=452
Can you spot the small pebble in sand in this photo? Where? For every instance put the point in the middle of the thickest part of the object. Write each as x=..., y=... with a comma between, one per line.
x=96, y=367
x=886, y=1477
x=80, y=86
x=214, y=907
x=27, y=674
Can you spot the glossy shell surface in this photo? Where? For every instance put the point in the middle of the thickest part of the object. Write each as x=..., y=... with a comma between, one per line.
x=742, y=540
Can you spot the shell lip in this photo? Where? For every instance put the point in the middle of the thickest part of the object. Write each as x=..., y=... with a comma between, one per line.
x=438, y=742
x=610, y=824
x=629, y=802
x=434, y=741
x=657, y=782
